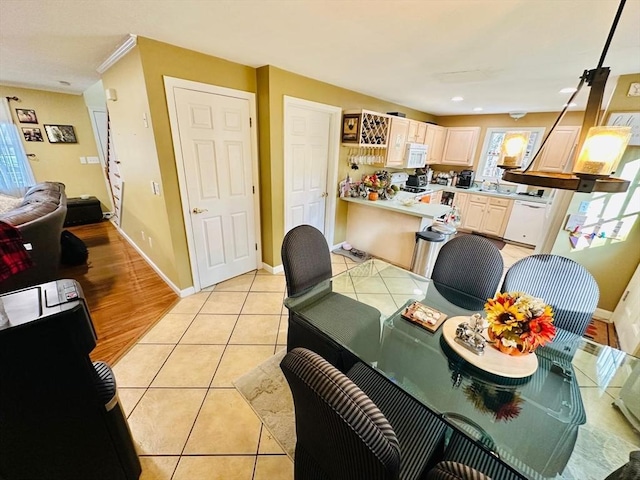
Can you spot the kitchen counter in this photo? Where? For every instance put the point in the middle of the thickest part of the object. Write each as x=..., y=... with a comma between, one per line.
x=387, y=229
x=425, y=210
x=489, y=193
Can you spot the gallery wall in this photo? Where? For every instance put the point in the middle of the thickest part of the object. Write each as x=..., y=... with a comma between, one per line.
x=60, y=162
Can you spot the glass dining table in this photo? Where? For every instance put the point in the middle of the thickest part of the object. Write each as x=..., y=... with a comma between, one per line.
x=571, y=419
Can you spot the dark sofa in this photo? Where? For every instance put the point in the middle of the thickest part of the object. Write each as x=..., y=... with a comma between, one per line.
x=39, y=218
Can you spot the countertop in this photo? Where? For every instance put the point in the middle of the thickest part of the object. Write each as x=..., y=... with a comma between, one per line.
x=489, y=193
x=425, y=210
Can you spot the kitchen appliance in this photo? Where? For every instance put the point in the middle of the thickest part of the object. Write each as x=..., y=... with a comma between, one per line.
x=415, y=155
x=60, y=416
x=526, y=222
x=417, y=180
x=465, y=179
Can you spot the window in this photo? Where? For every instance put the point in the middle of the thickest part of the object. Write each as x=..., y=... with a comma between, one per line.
x=15, y=171
x=487, y=168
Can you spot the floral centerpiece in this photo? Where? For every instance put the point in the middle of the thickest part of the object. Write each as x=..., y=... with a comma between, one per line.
x=518, y=322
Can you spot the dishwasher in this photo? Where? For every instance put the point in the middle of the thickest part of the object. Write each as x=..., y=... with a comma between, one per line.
x=526, y=222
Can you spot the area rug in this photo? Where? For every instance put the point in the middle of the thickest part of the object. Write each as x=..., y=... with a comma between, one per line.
x=267, y=392
x=603, y=333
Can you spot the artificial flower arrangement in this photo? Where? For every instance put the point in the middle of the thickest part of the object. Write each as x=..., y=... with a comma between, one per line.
x=518, y=322
x=502, y=403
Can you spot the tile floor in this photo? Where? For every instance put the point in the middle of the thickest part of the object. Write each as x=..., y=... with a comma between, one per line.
x=175, y=384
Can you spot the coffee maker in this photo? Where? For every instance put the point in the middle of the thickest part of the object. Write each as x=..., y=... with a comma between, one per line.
x=465, y=179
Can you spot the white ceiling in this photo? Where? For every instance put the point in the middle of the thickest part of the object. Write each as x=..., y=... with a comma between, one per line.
x=501, y=55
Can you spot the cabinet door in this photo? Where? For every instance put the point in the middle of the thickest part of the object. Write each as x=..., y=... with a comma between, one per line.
x=460, y=145
x=559, y=151
x=496, y=216
x=422, y=132
x=434, y=139
x=413, y=131
x=474, y=214
x=397, y=142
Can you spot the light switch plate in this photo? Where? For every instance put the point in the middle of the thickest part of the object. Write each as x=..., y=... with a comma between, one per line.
x=93, y=159
x=584, y=207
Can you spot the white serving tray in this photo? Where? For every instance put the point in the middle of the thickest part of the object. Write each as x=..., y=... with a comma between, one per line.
x=493, y=360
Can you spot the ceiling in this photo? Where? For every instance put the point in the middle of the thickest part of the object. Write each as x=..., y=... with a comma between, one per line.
x=501, y=55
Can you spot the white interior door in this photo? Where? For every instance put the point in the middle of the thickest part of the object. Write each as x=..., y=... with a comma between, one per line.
x=308, y=130
x=215, y=143
x=626, y=316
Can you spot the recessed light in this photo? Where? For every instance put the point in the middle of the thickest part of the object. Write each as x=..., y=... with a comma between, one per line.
x=457, y=99
x=568, y=90
x=64, y=82
x=477, y=109
x=572, y=104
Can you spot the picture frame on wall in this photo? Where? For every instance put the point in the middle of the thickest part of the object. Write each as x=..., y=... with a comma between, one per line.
x=32, y=134
x=350, y=128
x=26, y=115
x=60, y=133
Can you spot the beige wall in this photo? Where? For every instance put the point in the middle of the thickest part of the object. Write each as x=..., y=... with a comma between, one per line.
x=60, y=162
x=276, y=83
x=147, y=153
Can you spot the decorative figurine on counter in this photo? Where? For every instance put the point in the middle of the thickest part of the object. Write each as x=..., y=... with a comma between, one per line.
x=469, y=334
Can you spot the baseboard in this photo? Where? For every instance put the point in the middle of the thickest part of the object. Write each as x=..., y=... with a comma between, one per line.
x=604, y=315
x=273, y=270
x=182, y=293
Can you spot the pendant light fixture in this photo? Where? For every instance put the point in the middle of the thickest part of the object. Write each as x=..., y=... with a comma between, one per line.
x=601, y=147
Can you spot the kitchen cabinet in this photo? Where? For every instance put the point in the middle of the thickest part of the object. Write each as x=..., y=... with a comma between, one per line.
x=434, y=138
x=365, y=129
x=488, y=215
x=557, y=155
x=460, y=146
x=417, y=131
x=396, y=147
x=461, y=201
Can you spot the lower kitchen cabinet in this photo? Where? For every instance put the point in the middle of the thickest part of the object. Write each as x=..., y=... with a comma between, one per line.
x=487, y=215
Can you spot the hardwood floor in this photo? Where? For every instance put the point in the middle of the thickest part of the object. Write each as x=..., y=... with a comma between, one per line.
x=126, y=297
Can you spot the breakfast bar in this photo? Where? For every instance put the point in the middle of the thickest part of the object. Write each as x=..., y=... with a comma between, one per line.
x=386, y=228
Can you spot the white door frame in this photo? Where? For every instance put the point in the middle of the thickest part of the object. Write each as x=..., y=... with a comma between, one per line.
x=169, y=84
x=332, y=162
x=101, y=152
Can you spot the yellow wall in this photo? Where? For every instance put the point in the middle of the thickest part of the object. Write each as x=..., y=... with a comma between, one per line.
x=60, y=162
x=611, y=262
x=276, y=83
x=147, y=153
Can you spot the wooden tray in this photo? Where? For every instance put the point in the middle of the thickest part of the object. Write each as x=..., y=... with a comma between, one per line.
x=419, y=314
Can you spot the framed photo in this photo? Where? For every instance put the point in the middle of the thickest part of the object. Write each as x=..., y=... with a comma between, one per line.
x=351, y=128
x=60, y=133
x=26, y=115
x=32, y=134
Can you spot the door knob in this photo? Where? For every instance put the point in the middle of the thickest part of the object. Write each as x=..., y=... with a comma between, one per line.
x=199, y=210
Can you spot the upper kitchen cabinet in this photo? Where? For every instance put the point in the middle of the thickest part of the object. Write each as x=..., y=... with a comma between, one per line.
x=460, y=145
x=434, y=138
x=559, y=150
x=398, y=133
x=417, y=131
x=365, y=129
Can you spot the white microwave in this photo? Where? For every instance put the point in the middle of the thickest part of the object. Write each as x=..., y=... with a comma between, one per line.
x=415, y=156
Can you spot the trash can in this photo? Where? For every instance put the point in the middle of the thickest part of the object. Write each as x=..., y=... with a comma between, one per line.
x=447, y=230
x=425, y=252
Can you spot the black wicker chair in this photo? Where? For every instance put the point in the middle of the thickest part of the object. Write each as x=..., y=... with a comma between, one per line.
x=307, y=262
x=343, y=434
x=470, y=264
x=562, y=283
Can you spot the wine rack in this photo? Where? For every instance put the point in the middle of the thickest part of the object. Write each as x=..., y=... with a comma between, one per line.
x=373, y=129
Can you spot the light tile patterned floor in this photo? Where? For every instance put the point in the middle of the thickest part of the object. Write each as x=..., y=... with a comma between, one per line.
x=187, y=419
